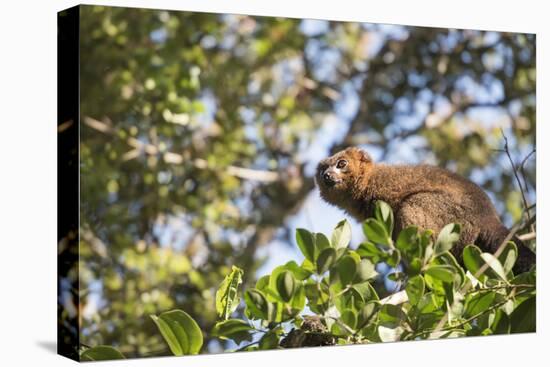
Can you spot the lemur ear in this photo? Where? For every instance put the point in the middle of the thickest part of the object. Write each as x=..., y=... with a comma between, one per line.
x=362, y=155
x=365, y=157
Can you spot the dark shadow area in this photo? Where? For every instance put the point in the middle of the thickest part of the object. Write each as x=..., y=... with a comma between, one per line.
x=48, y=345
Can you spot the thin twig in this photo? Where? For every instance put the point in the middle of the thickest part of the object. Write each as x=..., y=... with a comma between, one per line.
x=522, y=164
x=504, y=286
x=522, y=168
x=515, y=170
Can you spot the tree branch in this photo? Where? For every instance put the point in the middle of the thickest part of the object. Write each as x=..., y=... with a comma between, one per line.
x=175, y=158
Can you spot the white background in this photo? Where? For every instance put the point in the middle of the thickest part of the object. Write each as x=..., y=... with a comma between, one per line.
x=28, y=181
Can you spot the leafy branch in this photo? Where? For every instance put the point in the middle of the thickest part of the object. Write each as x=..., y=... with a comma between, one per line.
x=441, y=297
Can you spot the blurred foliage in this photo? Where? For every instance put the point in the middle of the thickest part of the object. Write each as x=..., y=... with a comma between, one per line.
x=199, y=132
x=435, y=297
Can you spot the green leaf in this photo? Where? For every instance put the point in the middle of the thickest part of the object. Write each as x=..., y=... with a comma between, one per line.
x=414, y=267
x=263, y=282
x=350, y=299
x=406, y=238
x=384, y=214
x=478, y=302
x=395, y=258
x=299, y=272
x=286, y=285
x=425, y=243
x=180, y=331
x=315, y=293
x=346, y=269
x=325, y=260
x=447, y=238
x=270, y=340
x=349, y=317
x=272, y=290
x=501, y=323
x=234, y=329
x=494, y=264
x=430, y=303
x=444, y=273
x=275, y=313
x=306, y=243
x=298, y=300
x=341, y=236
x=353, y=254
x=455, y=301
x=367, y=314
x=321, y=243
x=508, y=257
x=101, y=353
x=256, y=303
x=339, y=330
x=227, y=298
x=307, y=266
x=175, y=336
x=391, y=315
x=471, y=255
x=447, y=258
x=474, y=260
x=365, y=271
x=371, y=251
x=415, y=289
x=376, y=232
x=524, y=318
x=367, y=291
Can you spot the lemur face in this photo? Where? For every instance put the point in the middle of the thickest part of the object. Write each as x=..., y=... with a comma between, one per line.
x=335, y=173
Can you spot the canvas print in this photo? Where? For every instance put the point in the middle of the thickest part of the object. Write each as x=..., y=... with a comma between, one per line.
x=235, y=183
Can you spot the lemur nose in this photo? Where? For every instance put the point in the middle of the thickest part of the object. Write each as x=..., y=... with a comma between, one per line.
x=326, y=176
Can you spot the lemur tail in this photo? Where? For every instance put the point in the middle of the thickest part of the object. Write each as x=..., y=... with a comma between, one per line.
x=495, y=236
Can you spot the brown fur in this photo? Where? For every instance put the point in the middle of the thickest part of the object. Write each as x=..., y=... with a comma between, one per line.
x=425, y=196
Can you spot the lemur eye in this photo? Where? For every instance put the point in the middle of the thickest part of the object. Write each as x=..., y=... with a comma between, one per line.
x=341, y=163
